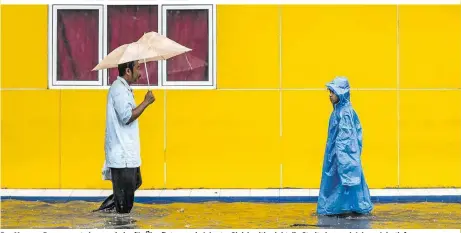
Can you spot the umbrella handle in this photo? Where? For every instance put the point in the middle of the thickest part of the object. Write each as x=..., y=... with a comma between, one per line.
x=147, y=74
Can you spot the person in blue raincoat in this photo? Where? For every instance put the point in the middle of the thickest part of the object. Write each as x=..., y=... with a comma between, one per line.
x=343, y=188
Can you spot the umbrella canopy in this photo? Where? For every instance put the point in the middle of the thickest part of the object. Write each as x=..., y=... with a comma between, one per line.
x=150, y=47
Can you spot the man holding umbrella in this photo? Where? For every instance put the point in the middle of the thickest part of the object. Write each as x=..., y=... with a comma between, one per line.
x=122, y=144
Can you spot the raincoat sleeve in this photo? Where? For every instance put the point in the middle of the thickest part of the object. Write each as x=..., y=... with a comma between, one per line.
x=348, y=153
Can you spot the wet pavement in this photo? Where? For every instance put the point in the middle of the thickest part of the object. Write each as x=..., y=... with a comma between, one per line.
x=214, y=215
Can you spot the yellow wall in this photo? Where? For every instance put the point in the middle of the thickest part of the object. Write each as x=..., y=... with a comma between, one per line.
x=266, y=124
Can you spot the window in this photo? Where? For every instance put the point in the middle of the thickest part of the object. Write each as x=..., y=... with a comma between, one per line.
x=189, y=26
x=82, y=35
x=76, y=45
x=126, y=24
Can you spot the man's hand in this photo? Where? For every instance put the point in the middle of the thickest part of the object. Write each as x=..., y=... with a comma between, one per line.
x=136, y=112
x=149, y=98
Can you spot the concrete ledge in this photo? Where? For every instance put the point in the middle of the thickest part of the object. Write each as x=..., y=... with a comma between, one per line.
x=229, y=195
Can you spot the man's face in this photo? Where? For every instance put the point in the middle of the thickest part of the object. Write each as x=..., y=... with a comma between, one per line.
x=134, y=75
x=333, y=97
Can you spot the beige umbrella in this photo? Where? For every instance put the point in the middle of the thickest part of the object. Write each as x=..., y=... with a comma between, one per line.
x=150, y=47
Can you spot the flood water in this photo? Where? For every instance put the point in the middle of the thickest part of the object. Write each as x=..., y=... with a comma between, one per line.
x=215, y=215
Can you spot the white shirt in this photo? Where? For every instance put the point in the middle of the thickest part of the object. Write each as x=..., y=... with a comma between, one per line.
x=122, y=145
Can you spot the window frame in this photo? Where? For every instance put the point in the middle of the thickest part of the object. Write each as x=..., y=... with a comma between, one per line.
x=53, y=82
x=103, y=75
x=211, y=48
x=106, y=34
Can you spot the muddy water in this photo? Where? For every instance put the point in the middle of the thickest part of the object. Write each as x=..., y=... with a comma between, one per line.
x=215, y=215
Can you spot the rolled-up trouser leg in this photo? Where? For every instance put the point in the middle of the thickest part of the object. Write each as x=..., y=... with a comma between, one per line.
x=124, y=182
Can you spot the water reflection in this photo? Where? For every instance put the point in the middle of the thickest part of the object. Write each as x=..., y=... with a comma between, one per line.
x=345, y=222
x=116, y=221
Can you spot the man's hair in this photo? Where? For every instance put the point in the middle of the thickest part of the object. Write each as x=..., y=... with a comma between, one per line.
x=122, y=68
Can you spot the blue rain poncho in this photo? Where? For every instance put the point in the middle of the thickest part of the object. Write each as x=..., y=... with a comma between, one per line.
x=343, y=187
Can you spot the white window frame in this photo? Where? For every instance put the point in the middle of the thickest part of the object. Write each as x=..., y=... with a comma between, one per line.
x=103, y=75
x=53, y=83
x=211, y=83
x=106, y=36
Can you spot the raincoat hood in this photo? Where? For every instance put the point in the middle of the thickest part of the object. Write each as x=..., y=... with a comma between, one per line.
x=340, y=86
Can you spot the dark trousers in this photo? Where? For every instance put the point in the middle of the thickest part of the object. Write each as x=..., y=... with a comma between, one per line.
x=125, y=181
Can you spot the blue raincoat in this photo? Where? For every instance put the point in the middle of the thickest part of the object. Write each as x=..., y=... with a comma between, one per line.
x=343, y=187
